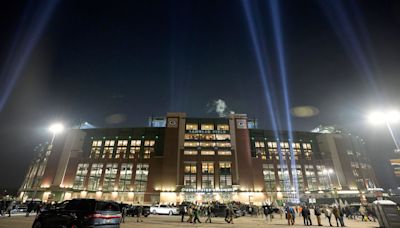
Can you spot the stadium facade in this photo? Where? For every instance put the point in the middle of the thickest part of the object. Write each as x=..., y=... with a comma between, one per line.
x=179, y=158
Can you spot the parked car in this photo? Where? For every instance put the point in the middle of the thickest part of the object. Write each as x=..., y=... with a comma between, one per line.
x=80, y=213
x=132, y=211
x=220, y=211
x=19, y=208
x=163, y=209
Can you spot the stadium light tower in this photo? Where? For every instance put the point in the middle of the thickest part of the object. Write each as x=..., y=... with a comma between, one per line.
x=388, y=118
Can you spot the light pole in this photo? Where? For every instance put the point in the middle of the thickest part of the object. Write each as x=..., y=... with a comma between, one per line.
x=388, y=118
x=55, y=129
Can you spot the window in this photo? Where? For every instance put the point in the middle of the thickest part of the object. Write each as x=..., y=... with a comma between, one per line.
x=190, y=152
x=207, y=137
x=109, y=176
x=121, y=149
x=190, y=175
x=191, y=144
x=323, y=177
x=207, y=152
x=94, y=178
x=269, y=177
x=224, y=144
x=224, y=137
x=207, y=127
x=307, y=151
x=223, y=127
x=272, y=150
x=225, y=178
x=285, y=149
x=207, y=169
x=192, y=136
x=80, y=176
x=108, y=149
x=135, y=148
x=260, y=150
x=142, y=173
x=300, y=179
x=96, y=149
x=207, y=144
x=125, y=177
x=224, y=152
x=192, y=126
x=148, y=148
x=283, y=174
x=311, y=178
x=148, y=151
x=296, y=150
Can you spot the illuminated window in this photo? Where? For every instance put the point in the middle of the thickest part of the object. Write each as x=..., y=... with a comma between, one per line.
x=207, y=144
x=192, y=136
x=224, y=152
x=142, y=173
x=323, y=177
x=96, y=149
x=207, y=137
x=207, y=127
x=223, y=127
x=80, y=176
x=94, y=178
x=190, y=175
x=192, y=126
x=300, y=179
x=110, y=176
x=125, y=177
x=223, y=137
x=269, y=177
x=135, y=148
x=224, y=144
x=307, y=151
x=207, y=168
x=148, y=151
x=191, y=144
x=108, y=149
x=225, y=178
x=121, y=149
x=149, y=143
x=311, y=178
x=258, y=144
x=207, y=152
x=190, y=152
x=283, y=174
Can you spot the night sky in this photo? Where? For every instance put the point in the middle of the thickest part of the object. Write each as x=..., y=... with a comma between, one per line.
x=115, y=63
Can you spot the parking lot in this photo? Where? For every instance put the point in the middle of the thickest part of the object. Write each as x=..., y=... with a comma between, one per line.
x=174, y=221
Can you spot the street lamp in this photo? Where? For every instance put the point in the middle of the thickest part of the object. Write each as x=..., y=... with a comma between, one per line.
x=389, y=117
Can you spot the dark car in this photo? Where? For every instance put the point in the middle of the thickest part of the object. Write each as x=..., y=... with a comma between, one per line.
x=132, y=211
x=220, y=211
x=80, y=213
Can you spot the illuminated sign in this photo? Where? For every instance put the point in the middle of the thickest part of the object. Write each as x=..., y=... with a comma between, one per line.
x=207, y=190
x=207, y=131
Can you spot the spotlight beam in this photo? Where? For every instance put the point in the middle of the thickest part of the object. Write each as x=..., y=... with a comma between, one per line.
x=261, y=62
x=276, y=22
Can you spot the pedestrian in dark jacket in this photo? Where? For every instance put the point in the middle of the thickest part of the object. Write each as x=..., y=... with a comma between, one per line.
x=306, y=216
x=317, y=212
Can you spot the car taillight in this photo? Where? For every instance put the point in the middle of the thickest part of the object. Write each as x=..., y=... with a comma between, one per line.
x=101, y=216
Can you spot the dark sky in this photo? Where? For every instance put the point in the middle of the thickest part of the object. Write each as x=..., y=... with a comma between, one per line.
x=92, y=59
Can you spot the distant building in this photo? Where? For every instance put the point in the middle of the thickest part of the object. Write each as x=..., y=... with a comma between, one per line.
x=179, y=158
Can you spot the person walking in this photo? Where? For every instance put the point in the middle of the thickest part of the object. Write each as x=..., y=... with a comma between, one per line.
x=190, y=214
x=139, y=213
x=196, y=212
x=208, y=212
x=123, y=214
x=341, y=216
x=29, y=208
x=231, y=213
x=306, y=216
x=328, y=215
x=336, y=213
x=182, y=211
x=290, y=215
x=317, y=212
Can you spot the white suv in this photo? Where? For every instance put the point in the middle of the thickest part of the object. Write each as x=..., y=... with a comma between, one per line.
x=163, y=209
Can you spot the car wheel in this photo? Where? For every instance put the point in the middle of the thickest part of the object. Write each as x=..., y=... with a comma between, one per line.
x=170, y=213
x=37, y=224
x=154, y=212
